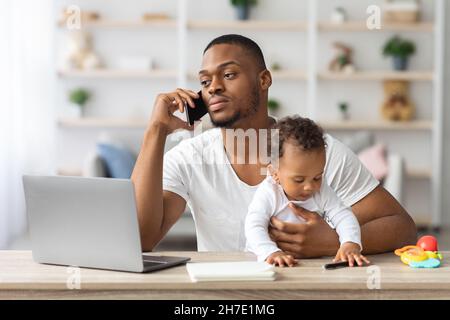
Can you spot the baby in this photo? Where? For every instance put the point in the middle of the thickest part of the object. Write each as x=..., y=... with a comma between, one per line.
x=296, y=178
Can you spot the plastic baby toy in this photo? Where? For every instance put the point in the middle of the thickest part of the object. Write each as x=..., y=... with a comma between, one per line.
x=423, y=255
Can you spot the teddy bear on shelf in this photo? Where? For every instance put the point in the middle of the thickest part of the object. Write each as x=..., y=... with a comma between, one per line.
x=397, y=105
x=342, y=61
x=80, y=53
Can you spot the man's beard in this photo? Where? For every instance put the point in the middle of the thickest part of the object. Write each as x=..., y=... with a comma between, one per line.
x=253, y=108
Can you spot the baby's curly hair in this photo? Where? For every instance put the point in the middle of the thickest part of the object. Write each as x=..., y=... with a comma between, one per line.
x=302, y=131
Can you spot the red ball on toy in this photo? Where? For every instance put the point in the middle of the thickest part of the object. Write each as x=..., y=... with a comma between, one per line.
x=428, y=243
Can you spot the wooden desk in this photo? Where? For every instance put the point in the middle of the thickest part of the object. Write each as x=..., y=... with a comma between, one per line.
x=20, y=277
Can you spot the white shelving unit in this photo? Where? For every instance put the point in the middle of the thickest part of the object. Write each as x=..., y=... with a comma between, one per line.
x=311, y=76
x=378, y=75
x=249, y=25
x=106, y=23
x=118, y=74
x=360, y=26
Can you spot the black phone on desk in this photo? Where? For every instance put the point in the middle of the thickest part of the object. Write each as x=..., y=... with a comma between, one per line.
x=194, y=114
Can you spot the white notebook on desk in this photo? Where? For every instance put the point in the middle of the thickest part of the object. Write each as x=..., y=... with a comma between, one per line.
x=231, y=271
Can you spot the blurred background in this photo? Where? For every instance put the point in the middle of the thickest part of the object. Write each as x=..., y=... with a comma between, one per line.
x=79, y=77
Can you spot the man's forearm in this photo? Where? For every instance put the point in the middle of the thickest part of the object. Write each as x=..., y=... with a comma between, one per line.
x=385, y=224
x=387, y=234
x=377, y=236
x=147, y=180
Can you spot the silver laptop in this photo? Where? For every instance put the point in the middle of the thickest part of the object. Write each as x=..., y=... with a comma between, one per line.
x=87, y=222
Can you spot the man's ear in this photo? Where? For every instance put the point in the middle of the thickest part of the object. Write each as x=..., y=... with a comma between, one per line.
x=265, y=79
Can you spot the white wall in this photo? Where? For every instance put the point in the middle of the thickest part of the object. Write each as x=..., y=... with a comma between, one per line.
x=446, y=180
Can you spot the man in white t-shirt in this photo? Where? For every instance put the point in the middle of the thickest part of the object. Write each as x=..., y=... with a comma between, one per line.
x=217, y=181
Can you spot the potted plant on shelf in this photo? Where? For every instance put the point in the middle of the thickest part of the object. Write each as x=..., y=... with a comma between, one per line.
x=78, y=98
x=273, y=105
x=343, y=109
x=338, y=15
x=400, y=50
x=275, y=66
x=243, y=8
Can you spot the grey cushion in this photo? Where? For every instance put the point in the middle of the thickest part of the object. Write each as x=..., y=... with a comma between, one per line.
x=94, y=166
x=359, y=141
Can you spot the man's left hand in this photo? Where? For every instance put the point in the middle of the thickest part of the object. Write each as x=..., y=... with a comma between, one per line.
x=314, y=238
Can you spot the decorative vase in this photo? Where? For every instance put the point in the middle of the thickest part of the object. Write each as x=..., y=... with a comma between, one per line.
x=242, y=12
x=400, y=63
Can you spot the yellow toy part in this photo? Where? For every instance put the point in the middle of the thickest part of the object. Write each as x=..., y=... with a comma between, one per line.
x=411, y=254
x=433, y=255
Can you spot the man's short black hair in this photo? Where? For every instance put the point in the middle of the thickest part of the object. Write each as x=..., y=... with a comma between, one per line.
x=245, y=43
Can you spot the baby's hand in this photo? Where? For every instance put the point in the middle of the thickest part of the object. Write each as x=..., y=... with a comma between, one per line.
x=351, y=252
x=281, y=259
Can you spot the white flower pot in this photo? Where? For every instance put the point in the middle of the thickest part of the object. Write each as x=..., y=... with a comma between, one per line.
x=74, y=111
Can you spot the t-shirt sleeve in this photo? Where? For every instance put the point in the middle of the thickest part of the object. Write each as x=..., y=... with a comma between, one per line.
x=257, y=222
x=345, y=174
x=177, y=171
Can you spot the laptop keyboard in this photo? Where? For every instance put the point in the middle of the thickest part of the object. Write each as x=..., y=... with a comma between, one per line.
x=152, y=263
x=149, y=262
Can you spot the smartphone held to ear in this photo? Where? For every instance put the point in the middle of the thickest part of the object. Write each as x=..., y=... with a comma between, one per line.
x=194, y=114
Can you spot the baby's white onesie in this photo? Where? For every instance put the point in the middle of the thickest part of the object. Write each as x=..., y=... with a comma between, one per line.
x=270, y=200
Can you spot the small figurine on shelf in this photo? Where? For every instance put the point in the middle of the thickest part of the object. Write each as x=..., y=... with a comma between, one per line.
x=397, y=105
x=424, y=254
x=80, y=52
x=342, y=61
x=343, y=109
x=338, y=15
